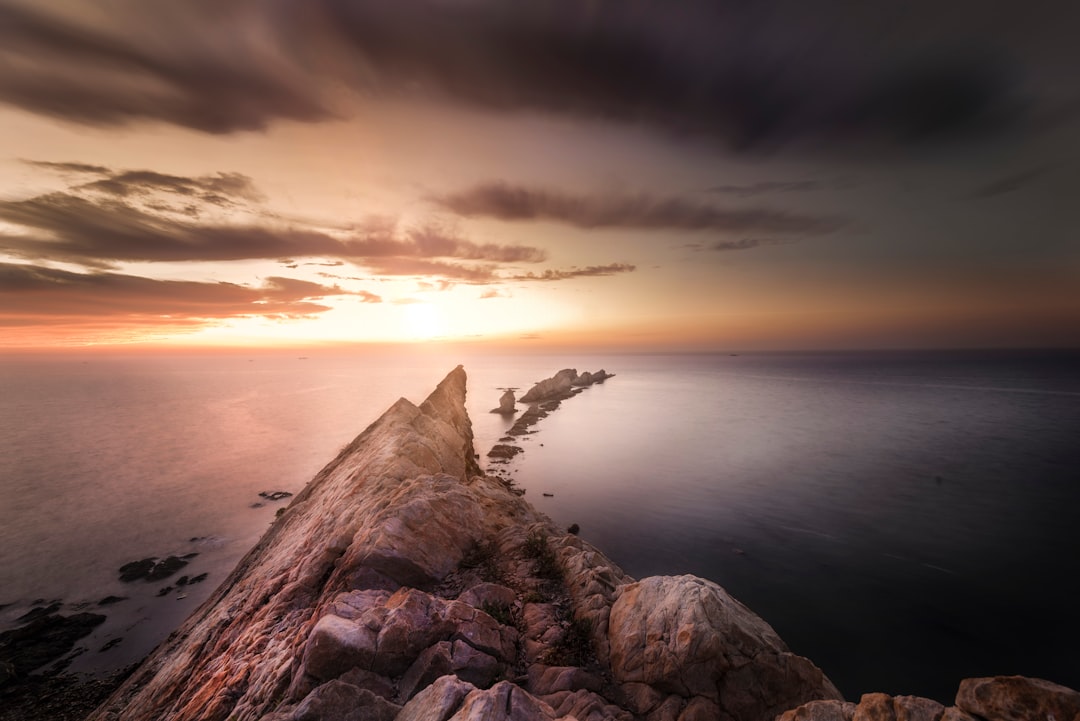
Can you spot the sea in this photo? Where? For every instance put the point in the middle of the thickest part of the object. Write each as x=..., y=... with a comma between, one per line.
x=903, y=519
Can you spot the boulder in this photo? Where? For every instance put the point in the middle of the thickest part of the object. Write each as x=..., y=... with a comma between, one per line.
x=388, y=633
x=882, y=707
x=336, y=645
x=339, y=701
x=503, y=702
x=457, y=658
x=687, y=636
x=488, y=594
x=1017, y=698
x=437, y=702
x=42, y=641
x=831, y=710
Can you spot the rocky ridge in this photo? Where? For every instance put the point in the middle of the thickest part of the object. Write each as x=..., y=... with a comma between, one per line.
x=403, y=584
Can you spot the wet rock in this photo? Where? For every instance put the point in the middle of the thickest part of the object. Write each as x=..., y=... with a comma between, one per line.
x=44, y=640
x=136, y=569
x=109, y=600
x=274, y=495
x=150, y=569
x=166, y=568
x=197, y=579
x=39, y=612
x=110, y=644
x=1017, y=698
x=503, y=450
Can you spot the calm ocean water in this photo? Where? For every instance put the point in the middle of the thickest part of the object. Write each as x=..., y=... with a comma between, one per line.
x=905, y=520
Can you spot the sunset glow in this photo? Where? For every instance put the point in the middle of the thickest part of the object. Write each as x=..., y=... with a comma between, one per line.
x=518, y=199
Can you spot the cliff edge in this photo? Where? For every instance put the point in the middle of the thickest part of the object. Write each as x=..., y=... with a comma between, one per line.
x=403, y=584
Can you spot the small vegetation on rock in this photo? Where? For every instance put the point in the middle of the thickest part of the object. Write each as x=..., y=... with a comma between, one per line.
x=547, y=563
x=500, y=612
x=483, y=558
x=574, y=647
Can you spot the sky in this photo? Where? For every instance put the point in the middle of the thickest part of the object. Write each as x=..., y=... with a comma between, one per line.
x=685, y=175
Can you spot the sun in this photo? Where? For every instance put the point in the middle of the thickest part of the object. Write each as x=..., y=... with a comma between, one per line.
x=424, y=321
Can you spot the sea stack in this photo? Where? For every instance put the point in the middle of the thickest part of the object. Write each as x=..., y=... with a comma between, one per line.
x=507, y=404
x=401, y=583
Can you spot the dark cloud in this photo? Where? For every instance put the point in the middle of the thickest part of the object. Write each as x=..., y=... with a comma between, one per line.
x=119, y=218
x=1009, y=183
x=30, y=292
x=591, y=271
x=219, y=189
x=200, y=66
x=768, y=186
x=746, y=243
x=68, y=167
x=518, y=203
x=749, y=75
x=422, y=268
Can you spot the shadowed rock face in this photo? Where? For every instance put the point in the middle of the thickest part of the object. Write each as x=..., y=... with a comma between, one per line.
x=402, y=584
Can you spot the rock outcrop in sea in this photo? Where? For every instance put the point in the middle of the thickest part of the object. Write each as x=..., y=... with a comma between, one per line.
x=507, y=403
x=563, y=384
x=403, y=584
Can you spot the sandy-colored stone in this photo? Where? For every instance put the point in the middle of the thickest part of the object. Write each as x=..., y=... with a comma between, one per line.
x=339, y=701
x=438, y=701
x=488, y=593
x=544, y=680
x=687, y=636
x=503, y=701
x=1017, y=698
x=830, y=710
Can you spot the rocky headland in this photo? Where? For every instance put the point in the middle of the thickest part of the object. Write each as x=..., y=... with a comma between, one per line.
x=404, y=584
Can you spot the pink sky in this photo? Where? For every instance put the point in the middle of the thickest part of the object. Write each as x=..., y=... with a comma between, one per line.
x=331, y=172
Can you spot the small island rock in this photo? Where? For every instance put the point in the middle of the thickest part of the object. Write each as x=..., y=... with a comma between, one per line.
x=506, y=404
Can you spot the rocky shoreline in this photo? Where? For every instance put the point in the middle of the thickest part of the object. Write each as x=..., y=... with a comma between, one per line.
x=404, y=583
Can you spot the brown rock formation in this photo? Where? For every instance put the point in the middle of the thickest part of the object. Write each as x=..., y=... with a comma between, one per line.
x=1016, y=698
x=1000, y=698
x=506, y=404
x=562, y=385
x=402, y=584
